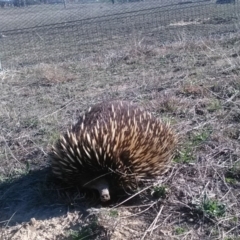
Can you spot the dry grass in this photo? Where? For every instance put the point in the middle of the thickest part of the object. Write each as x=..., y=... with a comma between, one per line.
x=196, y=86
x=81, y=29
x=52, y=73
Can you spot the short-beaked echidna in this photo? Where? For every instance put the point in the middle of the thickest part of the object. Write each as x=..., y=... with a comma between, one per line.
x=114, y=145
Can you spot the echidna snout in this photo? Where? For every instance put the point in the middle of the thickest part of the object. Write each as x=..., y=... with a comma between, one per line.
x=102, y=186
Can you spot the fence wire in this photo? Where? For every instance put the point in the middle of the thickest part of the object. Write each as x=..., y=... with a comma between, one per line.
x=53, y=31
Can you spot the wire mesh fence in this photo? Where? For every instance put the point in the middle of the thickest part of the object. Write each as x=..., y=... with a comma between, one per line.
x=56, y=30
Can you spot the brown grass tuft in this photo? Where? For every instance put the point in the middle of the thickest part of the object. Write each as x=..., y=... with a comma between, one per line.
x=54, y=73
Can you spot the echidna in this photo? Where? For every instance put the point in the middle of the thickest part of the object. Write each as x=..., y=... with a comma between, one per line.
x=114, y=145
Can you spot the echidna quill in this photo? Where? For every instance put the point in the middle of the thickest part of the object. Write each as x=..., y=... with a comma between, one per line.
x=114, y=145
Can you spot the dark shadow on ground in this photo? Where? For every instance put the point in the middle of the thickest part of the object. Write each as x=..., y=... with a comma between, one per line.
x=34, y=196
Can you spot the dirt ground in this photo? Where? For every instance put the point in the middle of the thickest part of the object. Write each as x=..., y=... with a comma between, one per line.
x=193, y=83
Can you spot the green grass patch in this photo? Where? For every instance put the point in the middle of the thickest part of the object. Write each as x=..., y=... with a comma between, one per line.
x=212, y=207
x=159, y=192
x=179, y=230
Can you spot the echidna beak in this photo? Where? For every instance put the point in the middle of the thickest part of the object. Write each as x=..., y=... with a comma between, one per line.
x=104, y=195
x=102, y=186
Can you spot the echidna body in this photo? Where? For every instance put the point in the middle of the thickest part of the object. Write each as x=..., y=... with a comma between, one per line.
x=113, y=145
